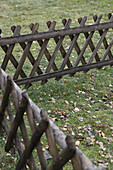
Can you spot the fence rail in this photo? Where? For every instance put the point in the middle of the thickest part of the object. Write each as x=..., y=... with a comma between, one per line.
x=72, y=49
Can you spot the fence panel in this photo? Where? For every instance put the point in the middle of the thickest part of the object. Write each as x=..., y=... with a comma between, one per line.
x=58, y=52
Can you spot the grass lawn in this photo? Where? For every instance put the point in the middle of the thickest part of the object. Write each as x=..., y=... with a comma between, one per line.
x=81, y=105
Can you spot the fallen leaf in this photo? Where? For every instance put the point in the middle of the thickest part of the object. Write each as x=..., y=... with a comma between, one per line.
x=76, y=109
x=103, y=134
x=73, y=133
x=49, y=111
x=77, y=143
x=80, y=118
x=53, y=100
x=66, y=102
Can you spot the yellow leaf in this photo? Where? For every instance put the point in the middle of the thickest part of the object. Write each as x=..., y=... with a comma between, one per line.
x=66, y=102
x=103, y=134
x=43, y=149
x=63, y=93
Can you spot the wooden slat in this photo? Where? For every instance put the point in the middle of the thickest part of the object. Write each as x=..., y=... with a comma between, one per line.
x=42, y=51
x=26, y=51
x=23, y=129
x=14, y=62
x=5, y=100
x=105, y=41
x=86, y=44
x=37, y=62
x=10, y=49
x=62, y=50
x=47, y=54
x=33, y=129
x=30, y=56
x=18, y=144
x=98, y=46
x=74, y=40
x=59, y=43
x=65, y=155
x=92, y=47
x=32, y=144
x=50, y=136
x=16, y=123
x=77, y=48
x=107, y=50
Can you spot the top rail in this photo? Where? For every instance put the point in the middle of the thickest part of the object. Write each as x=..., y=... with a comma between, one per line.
x=55, y=33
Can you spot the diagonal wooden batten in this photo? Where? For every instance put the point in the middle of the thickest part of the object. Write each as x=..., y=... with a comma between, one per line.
x=14, y=62
x=16, y=123
x=42, y=51
x=65, y=155
x=85, y=45
x=62, y=50
x=26, y=50
x=105, y=41
x=23, y=129
x=59, y=43
x=57, y=48
x=47, y=54
x=10, y=49
x=44, y=45
x=70, y=50
x=18, y=144
x=32, y=144
x=30, y=56
x=77, y=48
x=98, y=46
x=5, y=100
x=50, y=136
x=33, y=129
x=91, y=45
x=107, y=50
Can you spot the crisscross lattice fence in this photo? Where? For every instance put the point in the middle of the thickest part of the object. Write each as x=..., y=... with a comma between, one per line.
x=23, y=104
x=54, y=53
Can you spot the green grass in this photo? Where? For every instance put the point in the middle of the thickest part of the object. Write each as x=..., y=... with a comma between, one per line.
x=82, y=105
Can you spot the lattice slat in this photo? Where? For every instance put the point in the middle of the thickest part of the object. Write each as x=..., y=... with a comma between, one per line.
x=22, y=60
x=105, y=41
x=30, y=56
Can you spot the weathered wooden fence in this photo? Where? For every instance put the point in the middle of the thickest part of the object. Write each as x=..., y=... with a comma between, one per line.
x=74, y=49
x=26, y=109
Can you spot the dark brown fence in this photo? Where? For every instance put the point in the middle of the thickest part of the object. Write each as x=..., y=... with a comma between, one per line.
x=24, y=120
x=58, y=52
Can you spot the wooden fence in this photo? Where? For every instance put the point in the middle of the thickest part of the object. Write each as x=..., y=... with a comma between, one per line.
x=58, y=52
x=16, y=99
